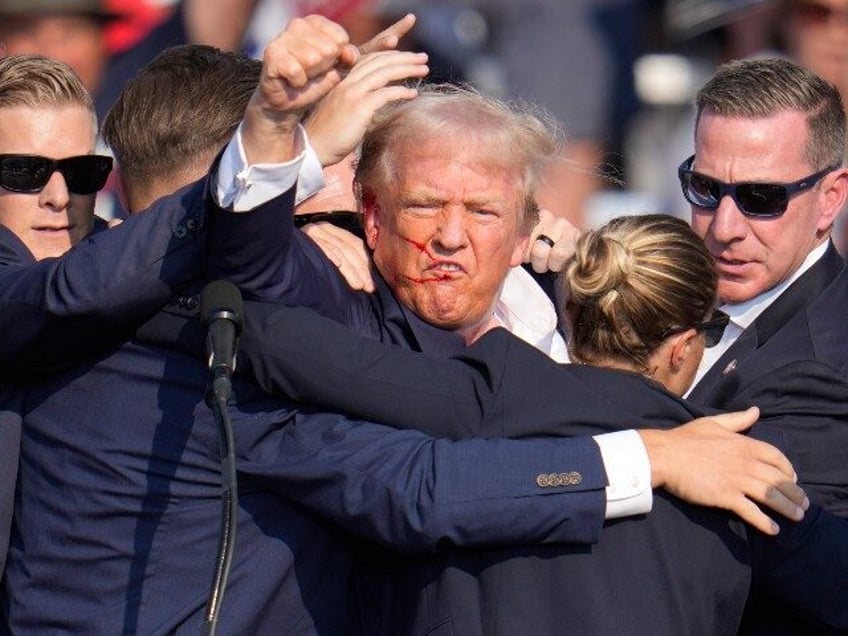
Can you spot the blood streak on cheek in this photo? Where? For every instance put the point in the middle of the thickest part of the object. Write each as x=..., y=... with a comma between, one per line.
x=436, y=276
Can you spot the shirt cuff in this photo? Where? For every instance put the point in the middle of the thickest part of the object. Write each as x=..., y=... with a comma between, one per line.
x=628, y=473
x=242, y=187
x=311, y=177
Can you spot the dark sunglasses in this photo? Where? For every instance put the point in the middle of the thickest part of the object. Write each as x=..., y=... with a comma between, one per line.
x=85, y=174
x=713, y=329
x=752, y=199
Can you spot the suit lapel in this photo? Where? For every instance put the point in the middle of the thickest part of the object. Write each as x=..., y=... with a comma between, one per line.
x=799, y=295
x=720, y=383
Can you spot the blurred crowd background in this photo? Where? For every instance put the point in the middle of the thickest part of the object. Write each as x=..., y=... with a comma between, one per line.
x=620, y=74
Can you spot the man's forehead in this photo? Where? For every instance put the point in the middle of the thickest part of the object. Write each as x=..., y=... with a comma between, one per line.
x=54, y=131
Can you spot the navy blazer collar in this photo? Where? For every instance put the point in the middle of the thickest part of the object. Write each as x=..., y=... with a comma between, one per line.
x=797, y=297
x=405, y=328
x=800, y=294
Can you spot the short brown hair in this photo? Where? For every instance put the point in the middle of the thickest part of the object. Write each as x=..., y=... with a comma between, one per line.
x=630, y=282
x=179, y=110
x=763, y=87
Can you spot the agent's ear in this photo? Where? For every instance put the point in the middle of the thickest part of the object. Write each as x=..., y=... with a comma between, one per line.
x=834, y=193
x=682, y=347
x=370, y=218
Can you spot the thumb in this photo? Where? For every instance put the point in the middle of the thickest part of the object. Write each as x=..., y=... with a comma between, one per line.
x=738, y=421
x=349, y=55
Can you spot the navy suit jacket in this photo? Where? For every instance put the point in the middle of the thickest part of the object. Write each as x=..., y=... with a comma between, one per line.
x=117, y=509
x=48, y=317
x=792, y=362
x=682, y=569
x=380, y=316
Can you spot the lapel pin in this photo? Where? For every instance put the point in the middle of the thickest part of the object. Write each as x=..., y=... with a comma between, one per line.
x=730, y=368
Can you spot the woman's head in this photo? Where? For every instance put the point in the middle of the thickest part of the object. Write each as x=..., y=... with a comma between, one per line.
x=632, y=286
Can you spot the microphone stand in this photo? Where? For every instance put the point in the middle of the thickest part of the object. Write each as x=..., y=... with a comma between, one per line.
x=217, y=400
x=220, y=309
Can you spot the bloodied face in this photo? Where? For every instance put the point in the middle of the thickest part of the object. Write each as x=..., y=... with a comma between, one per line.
x=446, y=231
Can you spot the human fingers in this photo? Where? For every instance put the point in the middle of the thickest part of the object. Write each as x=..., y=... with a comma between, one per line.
x=763, y=497
x=385, y=67
x=769, y=487
x=308, y=47
x=740, y=421
x=299, y=67
x=388, y=38
x=737, y=421
x=704, y=463
x=338, y=122
x=547, y=255
x=346, y=251
x=551, y=243
x=753, y=515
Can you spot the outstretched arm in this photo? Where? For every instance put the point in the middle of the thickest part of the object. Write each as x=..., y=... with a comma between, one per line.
x=57, y=310
x=708, y=462
x=500, y=386
x=305, y=62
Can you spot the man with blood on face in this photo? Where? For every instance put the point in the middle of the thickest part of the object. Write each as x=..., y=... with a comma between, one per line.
x=447, y=221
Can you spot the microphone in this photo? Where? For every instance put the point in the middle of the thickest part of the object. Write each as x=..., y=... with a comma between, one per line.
x=221, y=311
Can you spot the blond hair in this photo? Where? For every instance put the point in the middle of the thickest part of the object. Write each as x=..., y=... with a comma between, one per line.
x=35, y=81
x=518, y=135
x=630, y=282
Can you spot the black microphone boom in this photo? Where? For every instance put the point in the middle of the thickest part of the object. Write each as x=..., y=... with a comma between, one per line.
x=221, y=311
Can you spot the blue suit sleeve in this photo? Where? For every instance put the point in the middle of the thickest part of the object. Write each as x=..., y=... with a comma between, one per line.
x=60, y=309
x=57, y=311
x=282, y=265
x=485, y=391
x=410, y=491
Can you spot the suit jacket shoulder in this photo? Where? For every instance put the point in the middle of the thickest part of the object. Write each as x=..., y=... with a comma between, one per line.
x=792, y=364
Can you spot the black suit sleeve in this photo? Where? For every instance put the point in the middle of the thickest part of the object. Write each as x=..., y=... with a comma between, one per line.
x=805, y=568
x=57, y=310
x=500, y=386
x=807, y=402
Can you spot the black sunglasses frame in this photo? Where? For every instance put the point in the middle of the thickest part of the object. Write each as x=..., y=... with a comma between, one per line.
x=713, y=329
x=83, y=174
x=349, y=220
x=741, y=192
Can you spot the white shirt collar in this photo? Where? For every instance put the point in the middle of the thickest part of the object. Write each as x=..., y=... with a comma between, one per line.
x=525, y=309
x=744, y=314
